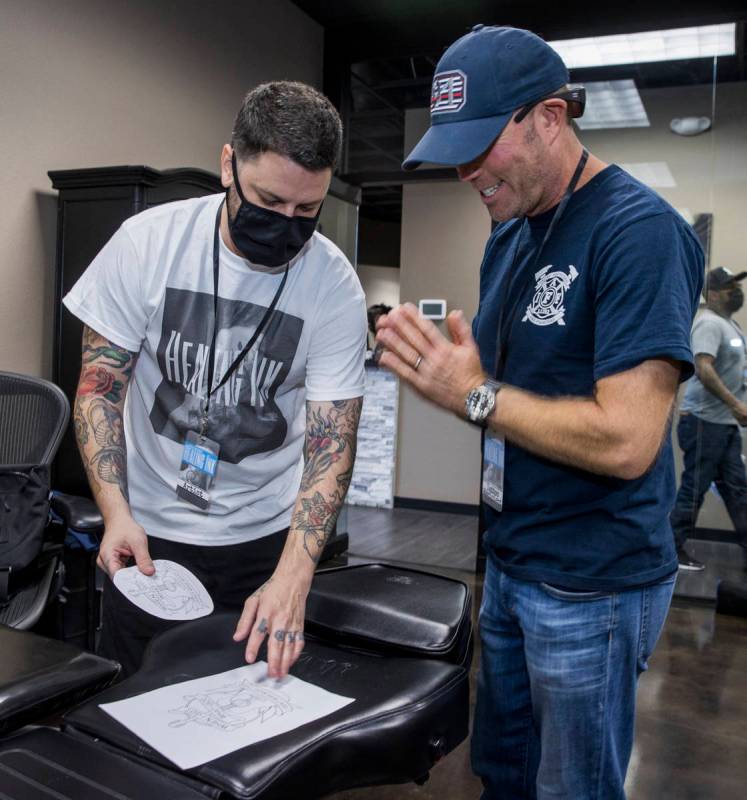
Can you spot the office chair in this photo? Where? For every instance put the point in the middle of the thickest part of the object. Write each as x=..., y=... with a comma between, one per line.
x=33, y=417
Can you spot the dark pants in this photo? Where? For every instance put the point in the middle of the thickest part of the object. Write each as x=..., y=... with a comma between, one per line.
x=712, y=452
x=230, y=574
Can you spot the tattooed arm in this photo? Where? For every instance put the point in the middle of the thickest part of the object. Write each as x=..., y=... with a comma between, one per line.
x=277, y=609
x=99, y=429
x=329, y=453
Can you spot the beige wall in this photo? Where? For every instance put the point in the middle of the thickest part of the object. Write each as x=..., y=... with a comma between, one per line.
x=380, y=284
x=444, y=229
x=87, y=83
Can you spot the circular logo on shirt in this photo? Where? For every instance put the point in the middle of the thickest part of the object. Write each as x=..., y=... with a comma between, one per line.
x=547, y=306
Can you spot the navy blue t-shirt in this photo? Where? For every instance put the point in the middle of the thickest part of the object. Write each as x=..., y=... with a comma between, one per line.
x=618, y=283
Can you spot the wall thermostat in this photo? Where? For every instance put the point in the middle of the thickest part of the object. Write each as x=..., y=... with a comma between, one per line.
x=432, y=309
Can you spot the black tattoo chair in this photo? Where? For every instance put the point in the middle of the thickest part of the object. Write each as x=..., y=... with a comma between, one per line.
x=397, y=641
x=38, y=676
x=33, y=416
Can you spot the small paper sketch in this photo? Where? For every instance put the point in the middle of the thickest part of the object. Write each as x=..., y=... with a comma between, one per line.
x=173, y=592
x=197, y=721
x=232, y=706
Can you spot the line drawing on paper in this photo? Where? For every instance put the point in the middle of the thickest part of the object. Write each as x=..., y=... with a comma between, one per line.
x=169, y=590
x=233, y=706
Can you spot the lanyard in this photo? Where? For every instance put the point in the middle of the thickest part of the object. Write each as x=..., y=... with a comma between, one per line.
x=248, y=346
x=504, y=334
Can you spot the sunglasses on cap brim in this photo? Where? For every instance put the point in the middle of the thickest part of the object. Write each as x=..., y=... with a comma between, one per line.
x=576, y=99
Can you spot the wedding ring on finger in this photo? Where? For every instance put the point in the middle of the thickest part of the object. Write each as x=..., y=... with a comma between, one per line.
x=417, y=363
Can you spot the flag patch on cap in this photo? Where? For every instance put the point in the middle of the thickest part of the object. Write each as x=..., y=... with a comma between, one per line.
x=449, y=93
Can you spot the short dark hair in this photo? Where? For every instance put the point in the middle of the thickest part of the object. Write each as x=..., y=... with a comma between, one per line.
x=291, y=119
x=374, y=312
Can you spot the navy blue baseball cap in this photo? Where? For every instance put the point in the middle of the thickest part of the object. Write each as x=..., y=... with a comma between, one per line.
x=480, y=83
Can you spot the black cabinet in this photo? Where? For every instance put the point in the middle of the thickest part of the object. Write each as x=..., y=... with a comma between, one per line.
x=92, y=204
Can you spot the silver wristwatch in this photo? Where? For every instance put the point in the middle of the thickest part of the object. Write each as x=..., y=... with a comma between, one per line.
x=480, y=402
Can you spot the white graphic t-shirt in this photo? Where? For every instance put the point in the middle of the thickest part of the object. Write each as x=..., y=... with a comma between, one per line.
x=150, y=290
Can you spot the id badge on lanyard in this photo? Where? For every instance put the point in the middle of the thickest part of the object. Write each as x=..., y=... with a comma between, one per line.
x=197, y=470
x=493, y=463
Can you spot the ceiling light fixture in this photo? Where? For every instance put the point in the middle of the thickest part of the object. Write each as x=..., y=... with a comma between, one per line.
x=613, y=104
x=690, y=126
x=704, y=41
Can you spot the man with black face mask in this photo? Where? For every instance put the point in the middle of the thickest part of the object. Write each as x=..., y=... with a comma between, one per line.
x=240, y=333
x=714, y=408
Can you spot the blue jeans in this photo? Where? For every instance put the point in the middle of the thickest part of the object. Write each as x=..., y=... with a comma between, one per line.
x=557, y=683
x=712, y=452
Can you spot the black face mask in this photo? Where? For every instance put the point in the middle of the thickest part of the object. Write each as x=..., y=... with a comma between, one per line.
x=735, y=300
x=266, y=237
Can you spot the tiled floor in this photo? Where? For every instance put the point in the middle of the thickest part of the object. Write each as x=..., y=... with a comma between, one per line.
x=691, y=731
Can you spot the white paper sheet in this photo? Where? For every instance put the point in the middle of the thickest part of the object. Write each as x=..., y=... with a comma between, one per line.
x=173, y=592
x=199, y=720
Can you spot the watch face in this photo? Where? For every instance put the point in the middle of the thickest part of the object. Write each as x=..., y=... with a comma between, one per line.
x=480, y=402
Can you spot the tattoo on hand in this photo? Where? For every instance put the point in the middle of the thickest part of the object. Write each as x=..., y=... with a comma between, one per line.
x=280, y=636
x=262, y=627
x=261, y=589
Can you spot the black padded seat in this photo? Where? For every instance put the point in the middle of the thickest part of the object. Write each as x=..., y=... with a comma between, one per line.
x=392, y=610
x=78, y=513
x=41, y=764
x=25, y=606
x=39, y=676
x=408, y=713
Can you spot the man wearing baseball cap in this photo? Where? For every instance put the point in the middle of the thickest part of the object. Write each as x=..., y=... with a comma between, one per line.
x=588, y=287
x=714, y=407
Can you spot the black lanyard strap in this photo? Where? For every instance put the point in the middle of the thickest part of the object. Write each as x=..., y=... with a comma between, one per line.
x=504, y=334
x=248, y=346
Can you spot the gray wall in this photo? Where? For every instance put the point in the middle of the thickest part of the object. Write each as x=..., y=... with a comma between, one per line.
x=445, y=227
x=86, y=83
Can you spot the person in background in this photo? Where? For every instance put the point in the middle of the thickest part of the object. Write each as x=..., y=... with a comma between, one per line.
x=711, y=414
x=374, y=312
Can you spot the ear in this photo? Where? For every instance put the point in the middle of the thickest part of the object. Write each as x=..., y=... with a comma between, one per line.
x=226, y=171
x=551, y=118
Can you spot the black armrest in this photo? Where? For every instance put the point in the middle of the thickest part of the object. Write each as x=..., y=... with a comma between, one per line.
x=78, y=513
x=40, y=676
